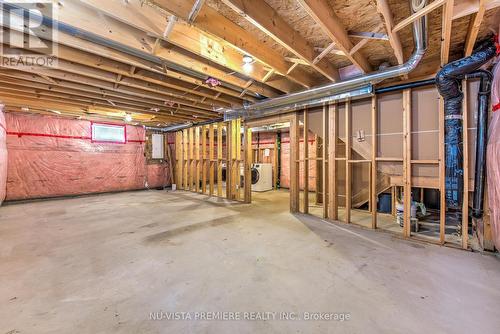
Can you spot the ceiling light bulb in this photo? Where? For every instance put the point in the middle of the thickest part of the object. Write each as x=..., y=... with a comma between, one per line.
x=128, y=118
x=247, y=67
x=247, y=59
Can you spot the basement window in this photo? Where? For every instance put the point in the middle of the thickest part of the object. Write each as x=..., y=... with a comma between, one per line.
x=108, y=133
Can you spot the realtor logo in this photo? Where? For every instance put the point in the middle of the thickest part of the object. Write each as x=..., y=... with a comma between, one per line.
x=29, y=33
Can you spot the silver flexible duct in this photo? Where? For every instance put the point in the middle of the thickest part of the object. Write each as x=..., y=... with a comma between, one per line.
x=352, y=88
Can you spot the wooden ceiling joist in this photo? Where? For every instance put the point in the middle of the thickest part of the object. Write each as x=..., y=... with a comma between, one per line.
x=324, y=15
x=82, y=109
x=264, y=17
x=384, y=9
x=70, y=99
x=157, y=100
x=424, y=11
x=36, y=88
x=214, y=23
x=447, y=21
x=463, y=8
x=140, y=41
x=194, y=40
x=474, y=25
x=95, y=73
x=79, y=80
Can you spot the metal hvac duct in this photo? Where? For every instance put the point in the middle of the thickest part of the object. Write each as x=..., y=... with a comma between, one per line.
x=357, y=87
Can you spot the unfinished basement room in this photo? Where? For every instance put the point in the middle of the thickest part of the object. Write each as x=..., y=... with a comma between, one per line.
x=250, y=166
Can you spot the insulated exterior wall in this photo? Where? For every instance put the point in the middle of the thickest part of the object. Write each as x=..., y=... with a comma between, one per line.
x=3, y=157
x=51, y=156
x=493, y=158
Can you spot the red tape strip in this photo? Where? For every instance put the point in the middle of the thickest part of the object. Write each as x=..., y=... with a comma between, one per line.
x=496, y=107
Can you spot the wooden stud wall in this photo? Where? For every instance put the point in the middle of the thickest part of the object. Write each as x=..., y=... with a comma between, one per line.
x=199, y=160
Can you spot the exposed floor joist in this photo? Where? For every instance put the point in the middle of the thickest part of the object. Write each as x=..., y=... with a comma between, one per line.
x=324, y=15
x=263, y=16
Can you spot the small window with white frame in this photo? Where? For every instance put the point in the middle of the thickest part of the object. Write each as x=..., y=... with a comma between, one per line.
x=109, y=133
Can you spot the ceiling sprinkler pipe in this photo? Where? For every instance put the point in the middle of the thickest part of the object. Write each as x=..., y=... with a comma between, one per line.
x=297, y=100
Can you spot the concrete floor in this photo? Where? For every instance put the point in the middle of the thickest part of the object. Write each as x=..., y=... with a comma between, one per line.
x=102, y=264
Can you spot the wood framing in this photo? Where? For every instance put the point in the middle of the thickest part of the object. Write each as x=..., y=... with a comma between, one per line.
x=442, y=175
x=333, y=117
x=474, y=25
x=194, y=162
x=210, y=21
x=294, y=162
x=424, y=11
x=306, y=162
x=264, y=17
x=220, y=127
x=384, y=9
x=348, y=144
x=446, y=31
x=247, y=163
x=324, y=15
x=373, y=165
x=204, y=164
x=407, y=162
x=324, y=158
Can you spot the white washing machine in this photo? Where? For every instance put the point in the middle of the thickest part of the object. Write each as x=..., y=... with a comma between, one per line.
x=262, y=177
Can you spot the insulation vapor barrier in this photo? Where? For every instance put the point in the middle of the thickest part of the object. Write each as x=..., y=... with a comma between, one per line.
x=3, y=156
x=493, y=159
x=51, y=156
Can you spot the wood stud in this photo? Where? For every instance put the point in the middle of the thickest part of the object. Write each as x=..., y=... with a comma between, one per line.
x=196, y=168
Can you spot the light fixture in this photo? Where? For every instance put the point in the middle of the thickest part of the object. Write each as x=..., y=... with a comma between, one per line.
x=247, y=59
x=128, y=118
x=55, y=111
x=25, y=109
x=247, y=63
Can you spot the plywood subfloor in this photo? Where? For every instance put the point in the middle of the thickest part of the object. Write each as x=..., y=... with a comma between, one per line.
x=101, y=264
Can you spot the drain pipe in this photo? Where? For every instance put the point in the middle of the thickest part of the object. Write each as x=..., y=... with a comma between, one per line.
x=358, y=87
x=481, y=139
x=448, y=82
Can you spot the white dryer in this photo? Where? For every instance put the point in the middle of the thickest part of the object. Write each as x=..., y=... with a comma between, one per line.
x=262, y=177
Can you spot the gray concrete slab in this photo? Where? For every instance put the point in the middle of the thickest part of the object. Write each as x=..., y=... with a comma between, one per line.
x=103, y=264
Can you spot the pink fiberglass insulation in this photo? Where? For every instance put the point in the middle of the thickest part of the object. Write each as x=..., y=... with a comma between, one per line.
x=493, y=159
x=3, y=156
x=51, y=156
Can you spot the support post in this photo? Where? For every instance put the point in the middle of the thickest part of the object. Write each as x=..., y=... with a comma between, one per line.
x=325, y=160
x=407, y=161
x=185, y=172
x=204, y=159
x=229, y=159
x=442, y=173
x=332, y=163
x=219, y=158
x=197, y=159
x=306, y=162
x=373, y=178
x=211, y=159
x=248, y=164
x=294, y=163
x=191, y=159
x=348, y=139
